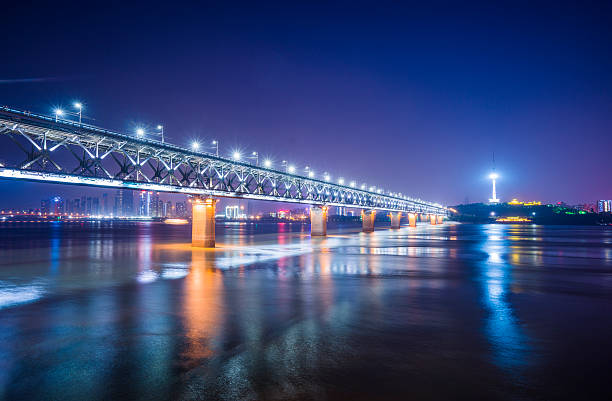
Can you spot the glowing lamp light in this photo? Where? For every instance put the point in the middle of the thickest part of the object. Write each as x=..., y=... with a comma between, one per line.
x=236, y=155
x=267, y=163
x=327, y=177
x=493, y=176
x=310, y=174
x=160, y=127
x=195, y=145
x=78, y=105
x=59, y=112
x=341, y=181
x=291, y=169
x=140, y=132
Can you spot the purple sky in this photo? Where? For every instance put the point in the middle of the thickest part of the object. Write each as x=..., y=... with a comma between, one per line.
x=409, y=98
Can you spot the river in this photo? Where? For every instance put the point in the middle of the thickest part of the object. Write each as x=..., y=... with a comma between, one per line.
x=108, y=310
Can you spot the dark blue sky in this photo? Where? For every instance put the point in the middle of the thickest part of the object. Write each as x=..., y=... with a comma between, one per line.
x=411, y=98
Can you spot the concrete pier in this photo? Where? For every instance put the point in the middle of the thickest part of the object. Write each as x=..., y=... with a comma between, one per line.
x=367, y=218
x=396, y=218
x=318, y=221
x=412, y=219
x=432, y=219
x=203, y=222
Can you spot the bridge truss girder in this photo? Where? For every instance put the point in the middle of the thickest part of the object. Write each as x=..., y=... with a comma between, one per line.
x=67, y=153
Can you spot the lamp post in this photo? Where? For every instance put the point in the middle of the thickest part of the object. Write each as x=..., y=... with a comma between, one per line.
x=255, y=156
x=79, y=106
x=216, y=145
x=161, y=132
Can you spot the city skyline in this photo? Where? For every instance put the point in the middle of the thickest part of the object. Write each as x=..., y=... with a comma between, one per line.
x=534, y=91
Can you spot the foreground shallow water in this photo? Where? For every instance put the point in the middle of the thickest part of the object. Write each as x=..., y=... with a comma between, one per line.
x=130, y=310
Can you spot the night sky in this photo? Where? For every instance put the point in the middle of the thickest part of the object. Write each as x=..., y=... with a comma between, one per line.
x=410, y=98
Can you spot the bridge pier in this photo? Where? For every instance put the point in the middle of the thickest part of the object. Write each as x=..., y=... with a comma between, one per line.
x=432, y=219
x=440, y=219
x=412, y=219
x=203, y=222
x=395, y=219
x=367, y=219
x=318, y=221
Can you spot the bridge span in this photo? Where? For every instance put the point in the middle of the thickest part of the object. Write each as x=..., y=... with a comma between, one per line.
x=47, y=149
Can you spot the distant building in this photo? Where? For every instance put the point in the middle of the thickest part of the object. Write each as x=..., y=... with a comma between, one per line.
x=53, y=205
x=105, y=207
x=604, y=206
x=95, y=206
x=124, y=203
x=144, y=203
x=181, y=209
x=167, y=209
x=232, y=212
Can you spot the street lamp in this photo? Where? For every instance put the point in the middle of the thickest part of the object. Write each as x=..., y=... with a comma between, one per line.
x=216, y=145
x=79, y=106
x=310, y=174
x=291, y=169
x=267, y=163
x=326, y=177
x=341, y=181
x=195, y=145
x=161, y=132
x=255, y=156
x=140, y=132
x=58, y=113
x=236, y=155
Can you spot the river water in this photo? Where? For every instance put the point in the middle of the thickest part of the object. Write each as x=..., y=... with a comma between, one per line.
x=102, y=311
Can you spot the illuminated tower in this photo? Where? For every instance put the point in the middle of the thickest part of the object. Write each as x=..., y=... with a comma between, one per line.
x=493, y=176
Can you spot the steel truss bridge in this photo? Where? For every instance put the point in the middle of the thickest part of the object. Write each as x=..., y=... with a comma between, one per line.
x=39, y=148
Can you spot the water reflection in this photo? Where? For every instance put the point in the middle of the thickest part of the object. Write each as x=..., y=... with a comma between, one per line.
x=101, y=312
x=502, y=328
